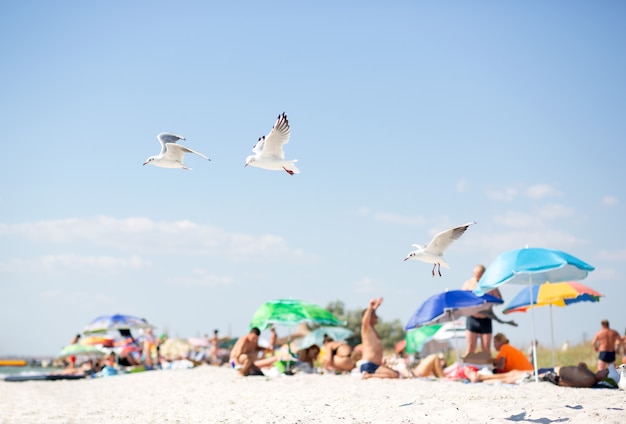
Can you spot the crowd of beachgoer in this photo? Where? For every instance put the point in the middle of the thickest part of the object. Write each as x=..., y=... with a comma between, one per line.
x=367, y=359
x=510, y=364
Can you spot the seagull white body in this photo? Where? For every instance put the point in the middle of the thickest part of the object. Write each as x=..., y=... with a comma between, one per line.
x=269, y=153
x=433, y=251
x=172, y=153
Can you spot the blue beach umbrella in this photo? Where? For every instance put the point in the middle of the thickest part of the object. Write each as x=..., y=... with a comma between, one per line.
x=532, y=266
x=105, y=323
x=449, y=306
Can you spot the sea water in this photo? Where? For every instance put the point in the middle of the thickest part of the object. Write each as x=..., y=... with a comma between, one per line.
x=25, y=370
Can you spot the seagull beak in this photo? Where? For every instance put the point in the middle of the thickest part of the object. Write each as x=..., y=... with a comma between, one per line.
x=145, y=163
x=245, y=165
x=406, y=258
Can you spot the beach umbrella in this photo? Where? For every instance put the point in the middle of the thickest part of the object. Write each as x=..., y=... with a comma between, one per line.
x=451, y=330
x=290, y=312
x=532, y=266
x=173, y=349
x=80, y=349
x=97, y=341
x=416, y=338
x=105, y=323
x=551, y=294
x=449, y=306
x=317, y=336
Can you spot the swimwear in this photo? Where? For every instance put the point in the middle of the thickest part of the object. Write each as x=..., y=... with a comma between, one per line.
x=369, y=367
x=608, y=357
x=479, y=325
x=333, y=353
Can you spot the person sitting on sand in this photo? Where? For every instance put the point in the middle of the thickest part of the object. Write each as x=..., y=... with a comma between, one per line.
x=509, y=358
x=305, y=359
x=245, y=354
x=338, y=355
x=431, y=366
x=372, y=366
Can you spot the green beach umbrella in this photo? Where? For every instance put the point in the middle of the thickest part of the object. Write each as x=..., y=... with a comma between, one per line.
x=290, y=312
x=80, y=349
x=417, y=337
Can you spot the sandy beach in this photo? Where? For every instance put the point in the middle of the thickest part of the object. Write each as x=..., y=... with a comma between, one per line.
x=208, y=394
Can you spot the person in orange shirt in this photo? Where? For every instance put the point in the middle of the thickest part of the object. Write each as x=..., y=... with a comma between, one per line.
x=509, y=358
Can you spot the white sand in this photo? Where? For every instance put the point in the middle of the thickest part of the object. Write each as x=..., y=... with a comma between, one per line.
x=218, y=395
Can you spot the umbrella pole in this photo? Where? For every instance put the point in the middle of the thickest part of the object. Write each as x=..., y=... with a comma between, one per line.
x=532, y=320
x=552, y=334
x=456, y=341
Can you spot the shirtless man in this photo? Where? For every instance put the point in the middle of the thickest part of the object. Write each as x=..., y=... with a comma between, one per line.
x=478, y=324
x=606, y=342
x=372, y=347
x=245, y=354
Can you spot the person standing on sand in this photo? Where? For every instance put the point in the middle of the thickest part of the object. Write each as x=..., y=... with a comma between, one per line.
x=478, y=324
x=606, y=342
x=372, y=347
x=214, y=343
x=624, y=348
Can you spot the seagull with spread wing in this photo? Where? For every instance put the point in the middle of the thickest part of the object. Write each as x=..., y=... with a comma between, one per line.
x=433, y=252
x=172, y=153
x=268, y=151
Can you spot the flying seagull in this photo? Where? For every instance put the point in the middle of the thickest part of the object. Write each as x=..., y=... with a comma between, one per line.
x=433, y=252
x=268, y=151
x=172, y=153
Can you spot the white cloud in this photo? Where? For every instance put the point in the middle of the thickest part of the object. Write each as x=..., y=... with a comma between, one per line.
x=399, y=219
x=535, y=192
x=393, y=218
x=140, y=234
x=541, y=191
x=201, y=278
x=618, y=255
x=505, y=194
x=610, y=201
x=514, y=219
x=75, y=297
x=71, y=263
x=537, y=218
x=500, y=241
x=555, y=211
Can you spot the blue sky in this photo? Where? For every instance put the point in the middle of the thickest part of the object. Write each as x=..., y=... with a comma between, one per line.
x=407, y=119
